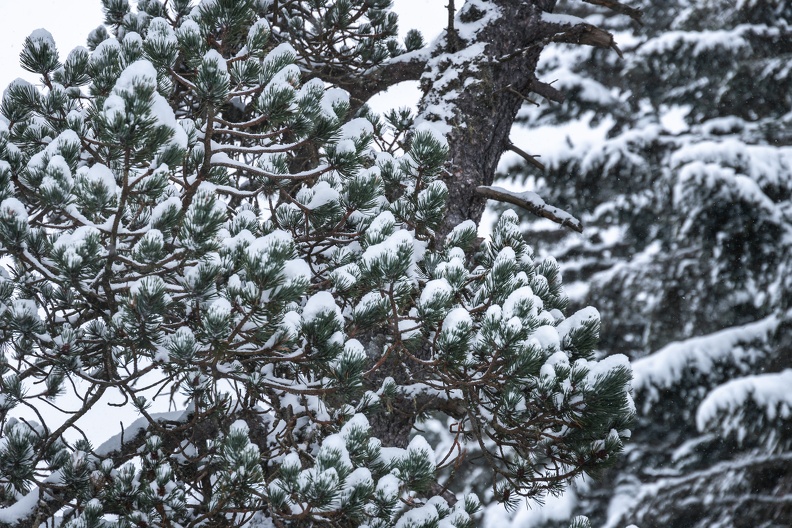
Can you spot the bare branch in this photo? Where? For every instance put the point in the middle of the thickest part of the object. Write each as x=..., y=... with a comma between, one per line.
x=618, y=7
x=451, y=32
x=547, y=91
x=590, y=36
x=521, y=96
x=527, y=157
x=532, y=202
x=451, y=14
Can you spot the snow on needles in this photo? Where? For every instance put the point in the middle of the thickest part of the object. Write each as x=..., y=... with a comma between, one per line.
x=21, y=509
x=40, y=38
x=100, y=173
x=319, y=303
x=770, y=392
x=434, y=288
x=11, y=207
x=667, y=366
x=138, y=74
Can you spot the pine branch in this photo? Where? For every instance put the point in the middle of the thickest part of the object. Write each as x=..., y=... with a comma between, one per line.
x=532, y=202
x=52, y=497
x=407, y=67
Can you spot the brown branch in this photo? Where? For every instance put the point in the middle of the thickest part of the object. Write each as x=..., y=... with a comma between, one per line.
x=521, y=96
x=547, y=91
x=378, y=79
x=527, y=157
x=618, y=7
x=533, y=203
x=451, y=15
x=588, y=35
x=569, y=33
x=454, y=41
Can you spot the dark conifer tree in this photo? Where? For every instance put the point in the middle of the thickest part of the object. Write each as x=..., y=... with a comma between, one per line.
x=683, y=185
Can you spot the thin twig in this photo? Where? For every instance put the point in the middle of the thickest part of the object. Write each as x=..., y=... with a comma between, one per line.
x=527, y=157
x=511, y=89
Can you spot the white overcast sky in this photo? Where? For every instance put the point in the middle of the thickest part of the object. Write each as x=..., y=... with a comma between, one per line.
x=70, y=21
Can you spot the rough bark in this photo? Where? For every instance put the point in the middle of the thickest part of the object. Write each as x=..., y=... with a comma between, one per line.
x=490, y=89
x=485, y=110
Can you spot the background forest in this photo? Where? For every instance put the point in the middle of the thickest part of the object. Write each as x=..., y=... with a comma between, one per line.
x=683, y=183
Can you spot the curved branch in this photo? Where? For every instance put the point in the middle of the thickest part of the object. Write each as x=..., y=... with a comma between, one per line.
x=407, y=67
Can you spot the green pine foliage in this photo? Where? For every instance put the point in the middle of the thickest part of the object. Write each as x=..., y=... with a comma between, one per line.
x=684, y=186
x=192, y=221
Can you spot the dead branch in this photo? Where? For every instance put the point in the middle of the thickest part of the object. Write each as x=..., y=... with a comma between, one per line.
x=521, y=96
x=580, y=33
x=618, y=7
x=588, y=35
x=547, y=91
x=527, y=157
x=533, y=203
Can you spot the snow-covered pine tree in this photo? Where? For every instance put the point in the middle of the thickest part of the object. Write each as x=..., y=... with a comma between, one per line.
x=684, y=185
x=201, y=221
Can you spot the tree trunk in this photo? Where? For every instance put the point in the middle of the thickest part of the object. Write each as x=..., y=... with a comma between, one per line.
x=485, y=97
